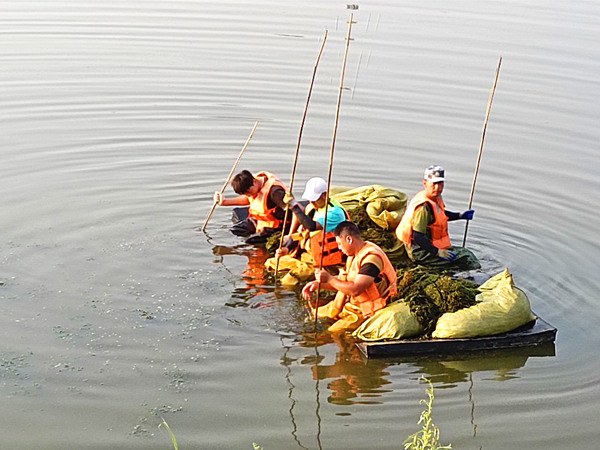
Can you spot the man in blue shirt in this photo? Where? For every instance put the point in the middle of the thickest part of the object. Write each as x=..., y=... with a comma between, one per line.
x=311, y=221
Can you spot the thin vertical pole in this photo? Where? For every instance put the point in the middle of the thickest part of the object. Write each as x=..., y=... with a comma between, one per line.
x=487, y=116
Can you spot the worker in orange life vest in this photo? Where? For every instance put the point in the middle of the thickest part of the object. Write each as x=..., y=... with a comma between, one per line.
x=365, y=286
x=424, y=226
x=310, y=222
x=263, y=194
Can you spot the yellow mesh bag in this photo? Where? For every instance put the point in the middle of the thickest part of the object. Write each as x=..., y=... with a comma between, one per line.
x=501, y=307
x=395, y=321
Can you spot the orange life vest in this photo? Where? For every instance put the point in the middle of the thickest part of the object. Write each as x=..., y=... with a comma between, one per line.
x=329, y=249
x=259, y=211
x=371, y=300
x=438, y=229
x=328, y=254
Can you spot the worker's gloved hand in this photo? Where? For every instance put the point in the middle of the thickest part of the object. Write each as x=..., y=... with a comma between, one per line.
x=468, y=214
x=446, y=255
x=218, y=198
x=289, y=199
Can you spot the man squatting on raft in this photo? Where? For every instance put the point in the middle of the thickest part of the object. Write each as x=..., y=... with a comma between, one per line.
x=363, y=288
x=310, y=221
x=424, y=226
x=263, y=193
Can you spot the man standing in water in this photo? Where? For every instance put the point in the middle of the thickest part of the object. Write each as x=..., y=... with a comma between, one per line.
x=362, y=289
x=263, y=193
x=424, y=227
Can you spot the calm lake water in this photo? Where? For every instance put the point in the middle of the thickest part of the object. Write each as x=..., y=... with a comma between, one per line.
x=120, y=119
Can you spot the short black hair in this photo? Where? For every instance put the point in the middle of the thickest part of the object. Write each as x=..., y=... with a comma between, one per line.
x=347, y=227
x=242, y=182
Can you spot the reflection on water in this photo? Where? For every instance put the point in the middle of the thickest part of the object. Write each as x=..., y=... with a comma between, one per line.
x=254, y=276
x=356, y=380
x=352, y=381
x=448, y=370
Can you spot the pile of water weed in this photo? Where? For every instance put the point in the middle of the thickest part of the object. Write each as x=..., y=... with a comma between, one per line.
x=430, y=294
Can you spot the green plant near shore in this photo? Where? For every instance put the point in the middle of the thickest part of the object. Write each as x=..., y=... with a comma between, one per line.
x=425, y=439
x=166, y=425
x=428, y=437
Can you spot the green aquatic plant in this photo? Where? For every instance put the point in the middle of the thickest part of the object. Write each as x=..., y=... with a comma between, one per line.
x=166, y=425
x=428, y=437
x=430, y=294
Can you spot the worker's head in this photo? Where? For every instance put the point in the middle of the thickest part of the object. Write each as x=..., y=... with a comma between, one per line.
x=433, y=180
x=244, y=183
x=315, y=191
x=347, y=236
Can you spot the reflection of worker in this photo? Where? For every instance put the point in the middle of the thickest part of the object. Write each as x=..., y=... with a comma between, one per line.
x=424, y=226
x=350, y=377
x=254, y=274
x=263, y=193
x=363, y=288
x=311, y=222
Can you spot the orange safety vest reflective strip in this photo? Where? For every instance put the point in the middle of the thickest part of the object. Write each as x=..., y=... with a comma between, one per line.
x=438, y=229
x=258, y=210
x=371, y=300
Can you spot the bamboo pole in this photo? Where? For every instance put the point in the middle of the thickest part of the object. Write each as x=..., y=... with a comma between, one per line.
x=487, y=116
x=287, y=209
x=337, y=119
x=230, y=174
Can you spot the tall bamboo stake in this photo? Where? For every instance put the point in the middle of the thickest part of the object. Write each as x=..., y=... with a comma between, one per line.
x=337, y=119
x=487, y=116
x=230, y=174
x=287, y=209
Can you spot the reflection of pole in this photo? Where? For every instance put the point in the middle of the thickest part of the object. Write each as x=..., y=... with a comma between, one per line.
x=288, y=364
x=472, y=404
x=318, y=401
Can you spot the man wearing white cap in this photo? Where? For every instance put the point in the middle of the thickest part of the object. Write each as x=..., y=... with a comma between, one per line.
x=312, y=221
x=424, y=226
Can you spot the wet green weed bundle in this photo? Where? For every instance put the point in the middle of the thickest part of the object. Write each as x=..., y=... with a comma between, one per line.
x=369, y=230
x=272, y=243
x=431, y=294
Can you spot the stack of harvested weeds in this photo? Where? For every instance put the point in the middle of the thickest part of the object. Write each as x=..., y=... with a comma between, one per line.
x=431, y=294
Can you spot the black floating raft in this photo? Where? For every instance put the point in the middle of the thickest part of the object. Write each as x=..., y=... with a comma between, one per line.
x=535, y=333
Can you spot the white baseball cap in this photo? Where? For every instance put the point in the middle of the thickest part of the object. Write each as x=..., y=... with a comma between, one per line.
x=315, y=187
x=434, y=174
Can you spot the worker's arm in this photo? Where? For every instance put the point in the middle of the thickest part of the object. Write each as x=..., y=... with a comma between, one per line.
x=220, y=200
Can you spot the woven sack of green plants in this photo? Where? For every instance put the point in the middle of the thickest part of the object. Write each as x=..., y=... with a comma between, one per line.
x=501, y=307
x=395, y=321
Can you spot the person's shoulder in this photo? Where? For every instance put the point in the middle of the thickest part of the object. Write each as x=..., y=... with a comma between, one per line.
x=424, y=207
x=337, y=211
x=374, y=259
